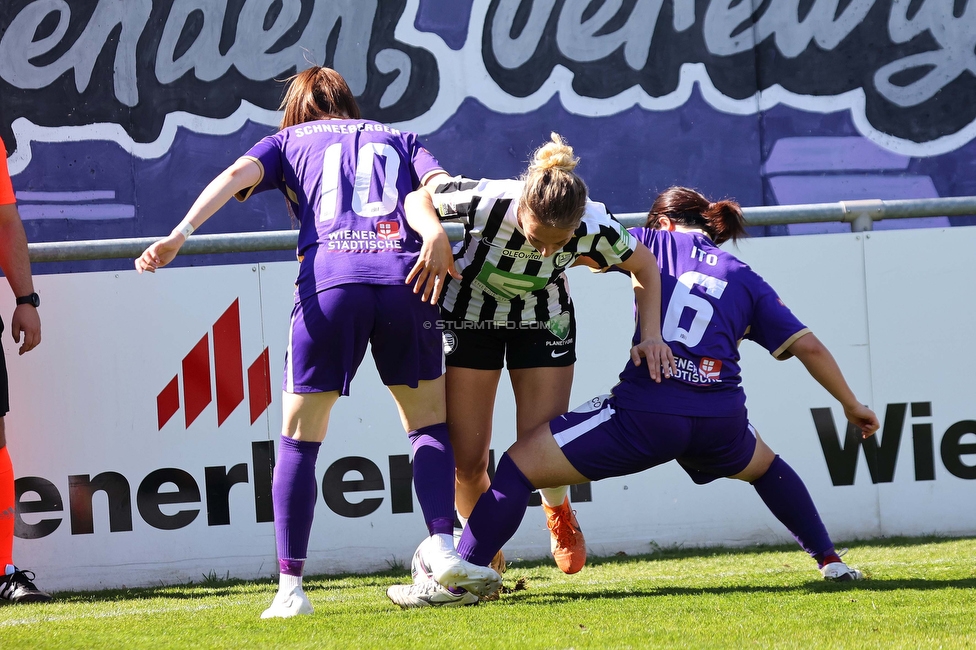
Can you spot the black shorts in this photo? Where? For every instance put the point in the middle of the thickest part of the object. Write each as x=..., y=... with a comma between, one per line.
x=485, y=345
x=4, y=392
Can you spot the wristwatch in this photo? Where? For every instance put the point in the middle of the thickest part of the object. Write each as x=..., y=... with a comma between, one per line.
x=33, y=300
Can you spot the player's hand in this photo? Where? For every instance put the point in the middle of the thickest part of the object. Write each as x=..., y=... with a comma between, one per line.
x=863, y=418
x=659, y=358
x=26, y=320
x=160, y=253
x=434, y=264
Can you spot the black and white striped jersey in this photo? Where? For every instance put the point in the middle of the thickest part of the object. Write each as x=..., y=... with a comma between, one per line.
x=503, y=278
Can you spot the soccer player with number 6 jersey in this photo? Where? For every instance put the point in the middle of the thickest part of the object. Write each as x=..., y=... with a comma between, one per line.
x=697, y=416
x=344, y=179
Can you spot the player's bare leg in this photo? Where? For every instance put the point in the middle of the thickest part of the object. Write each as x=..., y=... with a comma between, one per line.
x=471, y=403
x=542, y=394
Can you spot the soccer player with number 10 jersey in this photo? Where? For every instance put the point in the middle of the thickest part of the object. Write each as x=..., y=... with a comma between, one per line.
x=344, y=180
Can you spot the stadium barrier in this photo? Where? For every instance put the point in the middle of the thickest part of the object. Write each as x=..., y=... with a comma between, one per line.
x=860, y=214
x=143, y=429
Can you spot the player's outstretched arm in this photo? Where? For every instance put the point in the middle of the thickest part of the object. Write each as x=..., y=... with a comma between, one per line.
x=821, y=365
x=244, y=173
x=436, y=259
x=646, y=278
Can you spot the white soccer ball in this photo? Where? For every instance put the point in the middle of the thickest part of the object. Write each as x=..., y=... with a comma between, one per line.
x=419, y=569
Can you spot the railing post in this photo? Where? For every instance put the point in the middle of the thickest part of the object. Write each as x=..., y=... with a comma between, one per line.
x=862, y=214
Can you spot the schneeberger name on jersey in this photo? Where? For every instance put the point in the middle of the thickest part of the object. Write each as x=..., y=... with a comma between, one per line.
x=342, y=128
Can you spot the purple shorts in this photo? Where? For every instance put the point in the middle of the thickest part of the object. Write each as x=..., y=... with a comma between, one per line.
x=330, y=330
x=601, y=441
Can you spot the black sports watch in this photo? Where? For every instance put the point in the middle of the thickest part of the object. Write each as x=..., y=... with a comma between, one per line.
x=33, y=300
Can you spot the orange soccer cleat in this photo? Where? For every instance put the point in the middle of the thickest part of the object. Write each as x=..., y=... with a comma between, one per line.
x=567, y=544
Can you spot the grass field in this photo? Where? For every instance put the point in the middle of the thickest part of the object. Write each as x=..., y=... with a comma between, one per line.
x=921, y=593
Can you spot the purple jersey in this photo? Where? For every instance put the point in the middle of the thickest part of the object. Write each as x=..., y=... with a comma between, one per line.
x=345, y=181
x=709, y=302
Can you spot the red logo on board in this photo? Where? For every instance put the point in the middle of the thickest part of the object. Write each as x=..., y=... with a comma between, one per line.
x=228, y=376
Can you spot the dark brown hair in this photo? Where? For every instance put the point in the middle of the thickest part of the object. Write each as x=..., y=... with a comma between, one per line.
x=721, y=220
x=552, y=191
x=317, y=93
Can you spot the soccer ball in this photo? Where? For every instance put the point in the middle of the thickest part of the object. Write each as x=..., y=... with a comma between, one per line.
x=419, y=569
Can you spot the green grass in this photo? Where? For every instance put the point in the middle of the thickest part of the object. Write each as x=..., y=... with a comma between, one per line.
x=921, y=594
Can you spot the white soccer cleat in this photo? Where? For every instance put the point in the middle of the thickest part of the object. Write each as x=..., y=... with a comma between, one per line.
x=840, y=572
x=288, y=603
x=420, y=572
x=437, y=558
x=429, y=593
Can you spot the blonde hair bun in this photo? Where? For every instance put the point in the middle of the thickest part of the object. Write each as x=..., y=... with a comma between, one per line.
x=555, y=154
x=553, y=193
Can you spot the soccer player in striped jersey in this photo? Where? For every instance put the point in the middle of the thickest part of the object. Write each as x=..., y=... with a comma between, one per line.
x=512, y=306
x=710, y=301
x=345, y=179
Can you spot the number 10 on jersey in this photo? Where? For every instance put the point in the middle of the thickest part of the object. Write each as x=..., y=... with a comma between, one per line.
x=366, y=165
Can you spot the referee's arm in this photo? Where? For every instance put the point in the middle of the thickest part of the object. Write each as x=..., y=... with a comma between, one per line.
x=15, y=262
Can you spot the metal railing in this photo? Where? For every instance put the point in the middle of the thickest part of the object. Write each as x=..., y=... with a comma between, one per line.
x=860, y=214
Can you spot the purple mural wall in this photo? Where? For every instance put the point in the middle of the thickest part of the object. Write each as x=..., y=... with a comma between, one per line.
x=116, y=113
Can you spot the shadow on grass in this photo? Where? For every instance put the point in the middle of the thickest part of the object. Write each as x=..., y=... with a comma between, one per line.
x=528, y=596
x=673, y=553
x=212, y=586
x=209, y=587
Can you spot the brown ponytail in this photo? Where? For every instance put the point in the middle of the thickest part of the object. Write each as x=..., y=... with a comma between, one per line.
x=721, y=220
x=317, y=93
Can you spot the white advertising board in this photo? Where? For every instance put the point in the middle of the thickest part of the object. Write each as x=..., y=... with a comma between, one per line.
x=143, y=428
x=923, y=313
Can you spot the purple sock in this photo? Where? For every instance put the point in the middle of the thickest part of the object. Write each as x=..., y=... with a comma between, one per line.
x=787, y=498
x=293, y=492
x=433, y=476
x=291, y=567
x=497, y=514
